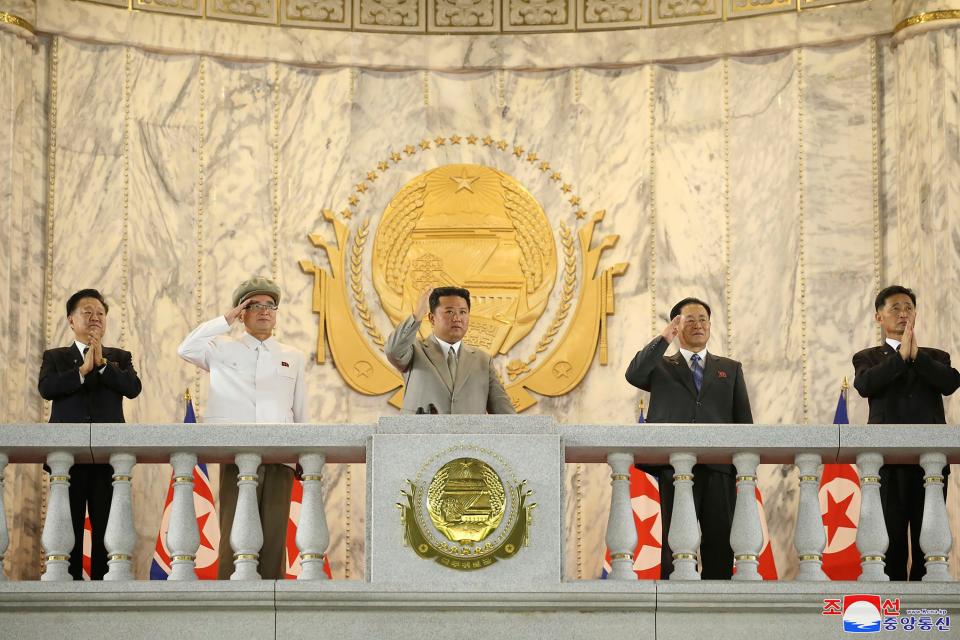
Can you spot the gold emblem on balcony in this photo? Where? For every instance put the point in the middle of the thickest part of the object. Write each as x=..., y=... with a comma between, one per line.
x=467, y=517
x=473, y=226
x=466, y=500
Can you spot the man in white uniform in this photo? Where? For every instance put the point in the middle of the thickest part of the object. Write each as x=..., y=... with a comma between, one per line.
x=253, y=378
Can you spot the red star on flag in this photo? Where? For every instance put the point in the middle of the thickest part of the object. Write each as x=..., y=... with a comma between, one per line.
x=201, y=524
x=645, y=537
x=835, y=516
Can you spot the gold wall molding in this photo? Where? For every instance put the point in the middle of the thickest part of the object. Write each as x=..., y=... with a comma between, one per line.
x=927, y=17
x=125, y=220
x=198, y=220
x=875, y=170
x=275, y=172
x=52, y=80
x=727, y=254
x=802, y=231
x=17, y=21
x=652, y=215
x=470, y=16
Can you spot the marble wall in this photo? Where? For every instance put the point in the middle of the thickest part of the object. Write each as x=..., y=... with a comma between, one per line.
x=764, y=183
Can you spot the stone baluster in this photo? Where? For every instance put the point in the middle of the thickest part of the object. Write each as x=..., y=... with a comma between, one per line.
x=746, y=532
x=684, y=537
x=4, y=534
x=872, y=539
x=246, y=537
x=120, y=536
x=809, y=538
x=57, y=536
x=935, y=538
x=312, y=534
x=621, y=530
x=183, y=536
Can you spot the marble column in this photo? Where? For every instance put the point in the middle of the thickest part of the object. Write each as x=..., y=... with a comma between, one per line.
x=684, y=536
x=925, y=76
x=121, y=536
x=746, y=533
x=313, y=537
x=872, y=539
x=23, y=120
x=621, y=530
x=809, y=538
x=57, y=536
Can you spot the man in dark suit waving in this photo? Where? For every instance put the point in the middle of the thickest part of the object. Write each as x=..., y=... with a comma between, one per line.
x=905, y=384
x=87, y=383
x=694, y=386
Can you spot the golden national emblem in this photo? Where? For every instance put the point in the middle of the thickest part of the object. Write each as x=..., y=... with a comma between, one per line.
x=540, y=300
x=467, y=516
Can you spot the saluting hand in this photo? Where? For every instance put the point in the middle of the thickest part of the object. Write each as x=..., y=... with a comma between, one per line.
x=671, y=330
x=232, y=315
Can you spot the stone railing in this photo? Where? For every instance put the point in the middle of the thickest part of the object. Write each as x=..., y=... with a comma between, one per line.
x=182, y=445
x=60, y=446
x=931, y=446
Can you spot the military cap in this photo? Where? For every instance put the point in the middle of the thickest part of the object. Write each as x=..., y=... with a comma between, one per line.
x=254, y=286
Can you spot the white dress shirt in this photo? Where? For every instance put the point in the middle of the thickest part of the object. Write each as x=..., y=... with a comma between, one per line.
x=687, y=354
x=250, y=381
x=446, y=346
x=893, y=343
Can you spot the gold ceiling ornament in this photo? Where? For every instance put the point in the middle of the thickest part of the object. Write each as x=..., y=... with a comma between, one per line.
x=929, y=16
x=467, y=516
x=17, y=21
x=474, y=226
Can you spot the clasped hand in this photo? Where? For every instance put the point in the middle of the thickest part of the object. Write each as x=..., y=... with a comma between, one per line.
x=908, y=346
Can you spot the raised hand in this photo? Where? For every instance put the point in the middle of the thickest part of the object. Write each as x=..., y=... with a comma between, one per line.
x=671, y=330
x=423, y=304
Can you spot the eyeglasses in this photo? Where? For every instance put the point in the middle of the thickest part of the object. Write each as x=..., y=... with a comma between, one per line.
x=262, y=306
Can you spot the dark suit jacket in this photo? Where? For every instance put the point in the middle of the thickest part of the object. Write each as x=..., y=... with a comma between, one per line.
x=99, y=398
x=904, y=392
x=673, y=398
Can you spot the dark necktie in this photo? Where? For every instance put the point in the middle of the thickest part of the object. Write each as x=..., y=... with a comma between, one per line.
x=697, y=369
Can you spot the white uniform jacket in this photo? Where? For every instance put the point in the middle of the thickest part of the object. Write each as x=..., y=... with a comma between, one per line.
x=250, y=381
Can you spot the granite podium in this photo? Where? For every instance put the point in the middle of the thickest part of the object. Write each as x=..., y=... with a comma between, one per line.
x=465, y=503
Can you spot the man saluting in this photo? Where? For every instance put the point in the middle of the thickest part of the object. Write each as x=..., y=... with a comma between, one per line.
x=694, y=386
